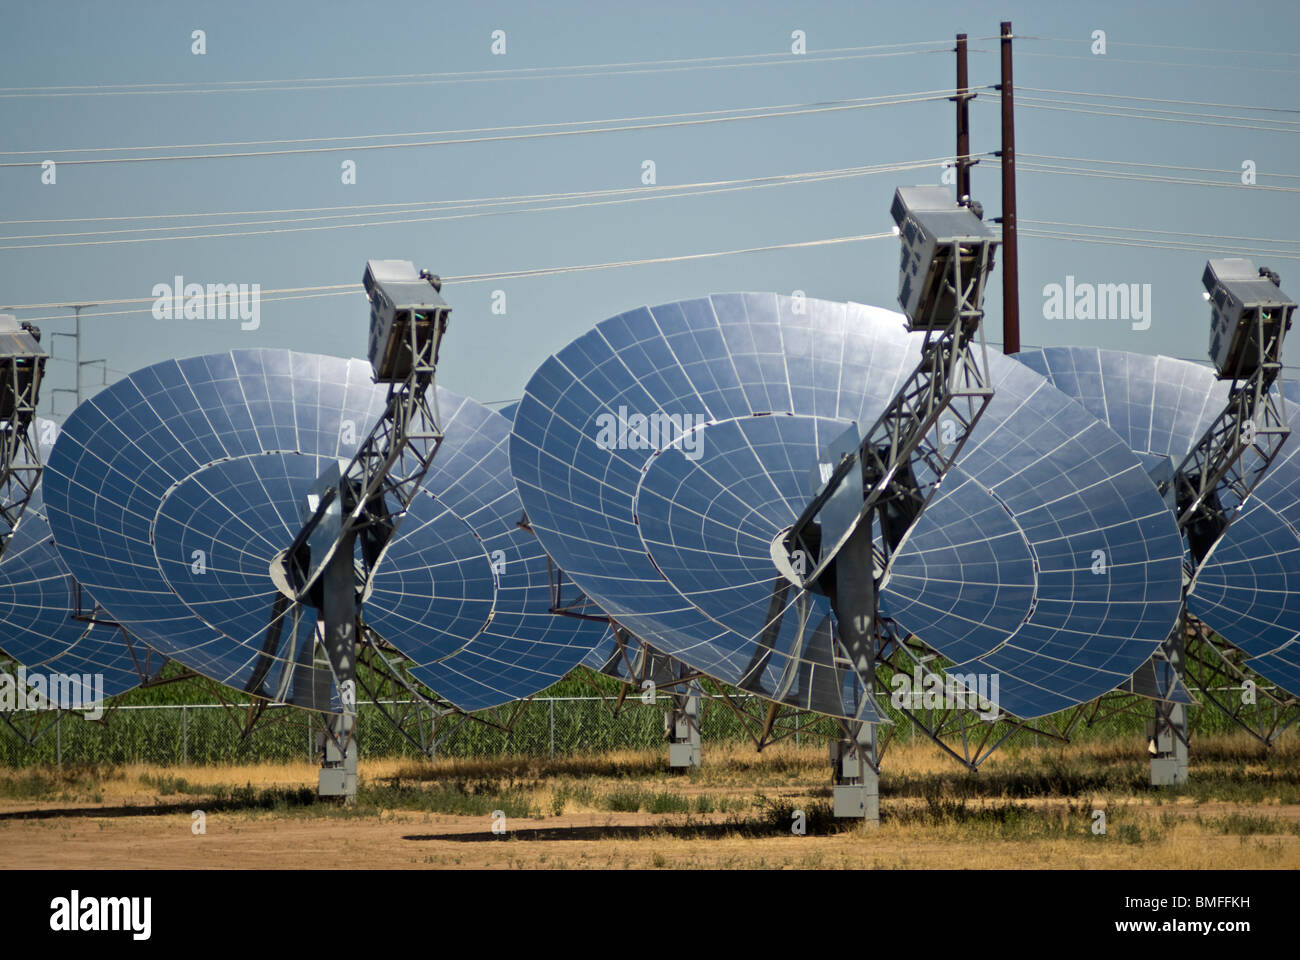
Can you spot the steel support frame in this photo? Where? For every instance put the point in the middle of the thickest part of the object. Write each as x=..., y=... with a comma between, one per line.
x=1211, y=486
x=948, y=378
x=1251, y=420
x=1221, y=664
x=762, y=728
x=948, y=372
x=20, y=455
x=682, y=722
x=978, y=736
x=407, y=432
x=375, y=489
x=382, y=676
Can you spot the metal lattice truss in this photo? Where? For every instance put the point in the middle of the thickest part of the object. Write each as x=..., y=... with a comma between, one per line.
x=969, y=736
x=384, y=476
x=1211, y=485
x=20, y=456
x=419, y=716
x=147, y=661
x=1219, y=474
x=948, y=378
x=1262, y=710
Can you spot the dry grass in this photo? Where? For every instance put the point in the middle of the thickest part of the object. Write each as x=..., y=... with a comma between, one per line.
x=1027, y=808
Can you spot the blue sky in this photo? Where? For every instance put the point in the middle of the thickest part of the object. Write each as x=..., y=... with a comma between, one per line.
x=491, y=356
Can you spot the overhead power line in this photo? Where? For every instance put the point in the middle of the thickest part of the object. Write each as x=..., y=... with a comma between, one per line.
x=1156, y=63
x=563, y=72
x=503, y=206
x=1186, y=103
x=1158, y=46
x=344, y=141
x=1180, y=245
x=1141, y=163
x=348, y=289
x=1130, y=113
x=1026, y=166
x=624, y=124
x=1175, y=233
x=1123, y=110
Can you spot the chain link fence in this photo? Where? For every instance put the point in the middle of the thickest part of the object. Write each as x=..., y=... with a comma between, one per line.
x=542, y=727
x=211, y=733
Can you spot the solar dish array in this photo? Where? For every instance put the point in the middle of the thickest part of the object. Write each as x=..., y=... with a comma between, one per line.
x=1249, y=587
x=674, y=534
x=172, y=492
x=660, y=458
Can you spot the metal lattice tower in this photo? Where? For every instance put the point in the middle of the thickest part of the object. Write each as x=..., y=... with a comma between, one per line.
x=892, y=472
x=361, y=504
x=1250, y=318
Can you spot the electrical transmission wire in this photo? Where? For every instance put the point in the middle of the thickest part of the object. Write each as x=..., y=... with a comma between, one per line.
x=467, y=202
x=1156, y=63
x=882, y=99
x=1023, y=166
x=624, y=124
x=351, y=289
x=1175, y=245
x=1141, y=163
x=1144, y=113
x=1175, y=233
x=565, y=72
x=1158, y=46
x=486, y=208
x=1188, y=103
x=1176, y=117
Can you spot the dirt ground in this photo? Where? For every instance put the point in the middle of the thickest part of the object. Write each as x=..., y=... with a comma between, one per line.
x=144, y=817
x=404, y=841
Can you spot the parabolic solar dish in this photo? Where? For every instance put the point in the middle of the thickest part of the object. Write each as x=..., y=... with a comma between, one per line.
x=474, y=655
x=1249, y=587
x=662, y=455
x=173, y=492
x=39, y=628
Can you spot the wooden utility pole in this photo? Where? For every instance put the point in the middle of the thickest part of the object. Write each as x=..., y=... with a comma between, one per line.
x=963, y=121
x=1010, y=247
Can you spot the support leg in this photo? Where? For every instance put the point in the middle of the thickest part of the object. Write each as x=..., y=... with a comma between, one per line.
x=854, y=758
x=1167, y=734
x=685, y=748
x=855, y=768
x=338, y=775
